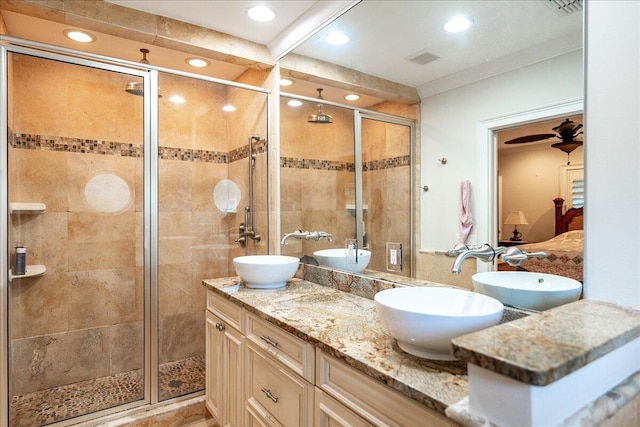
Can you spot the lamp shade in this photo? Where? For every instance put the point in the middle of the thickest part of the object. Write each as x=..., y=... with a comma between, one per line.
x=516, y=218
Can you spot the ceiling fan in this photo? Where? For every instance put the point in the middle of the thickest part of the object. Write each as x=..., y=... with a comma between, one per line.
x=566, y=131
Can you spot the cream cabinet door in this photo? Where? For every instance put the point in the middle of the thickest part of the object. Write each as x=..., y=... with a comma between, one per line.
x=224, y=393
x=213, y=350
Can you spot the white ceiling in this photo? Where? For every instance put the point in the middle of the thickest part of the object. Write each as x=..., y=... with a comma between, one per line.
x=507, y=34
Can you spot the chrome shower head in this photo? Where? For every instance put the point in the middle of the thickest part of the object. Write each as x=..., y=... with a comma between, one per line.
x=137, y=88
x=321, y=117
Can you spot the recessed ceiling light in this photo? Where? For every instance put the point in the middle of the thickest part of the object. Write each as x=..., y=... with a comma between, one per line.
x=337, y=38
x=177, y=99
x=229, y=108
x=457, y=24
x=197, y=62
x=286, y=82
x=352, y=97
x=79, y=36
x=261, y=14
x=294, y=103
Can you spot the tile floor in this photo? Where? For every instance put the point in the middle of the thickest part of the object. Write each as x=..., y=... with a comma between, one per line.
x=61, y=403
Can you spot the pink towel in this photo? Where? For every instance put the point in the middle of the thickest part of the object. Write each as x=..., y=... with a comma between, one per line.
x=466, y=219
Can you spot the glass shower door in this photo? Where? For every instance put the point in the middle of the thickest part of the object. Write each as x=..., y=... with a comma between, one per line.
x=75, y=194
x=202, y=192
x=387, y=208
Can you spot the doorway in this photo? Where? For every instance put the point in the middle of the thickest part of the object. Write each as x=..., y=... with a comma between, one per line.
x=488, y=155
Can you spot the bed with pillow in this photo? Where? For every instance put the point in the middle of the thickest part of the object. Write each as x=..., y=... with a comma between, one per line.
x=565, y=251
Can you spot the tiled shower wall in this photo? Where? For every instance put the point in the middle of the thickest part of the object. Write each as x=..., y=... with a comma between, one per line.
x=83, y=318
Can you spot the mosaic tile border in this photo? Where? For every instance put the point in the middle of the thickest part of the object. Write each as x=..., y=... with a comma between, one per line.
x=92, y=146
x=330, y=165
x=74, y=145
x=123, y=149
x=327, y=165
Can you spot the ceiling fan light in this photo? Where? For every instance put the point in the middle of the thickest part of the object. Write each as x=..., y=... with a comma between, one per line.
x=567, y=147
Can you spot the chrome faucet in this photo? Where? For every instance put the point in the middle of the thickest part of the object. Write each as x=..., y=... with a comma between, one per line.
x=307, y=235
x=485, y=253
x=513, y=256
x=455, y=251
x=516, y=256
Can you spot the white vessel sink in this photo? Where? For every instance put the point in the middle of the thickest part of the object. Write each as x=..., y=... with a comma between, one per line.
x=266, y=271
x=424, y=320
x=337, y=258
x=528, y=290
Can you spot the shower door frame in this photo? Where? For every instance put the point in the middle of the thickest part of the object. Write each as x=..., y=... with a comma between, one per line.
x=150, y=76
x=150, y=144
x=359, y=117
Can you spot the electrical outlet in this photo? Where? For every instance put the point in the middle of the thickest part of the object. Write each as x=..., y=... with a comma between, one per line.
x=394, y=256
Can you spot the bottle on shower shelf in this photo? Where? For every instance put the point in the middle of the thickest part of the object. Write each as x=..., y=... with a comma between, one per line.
x=20, y=261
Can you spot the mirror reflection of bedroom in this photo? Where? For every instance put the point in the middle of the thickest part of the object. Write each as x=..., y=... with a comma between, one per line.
x=541, y=194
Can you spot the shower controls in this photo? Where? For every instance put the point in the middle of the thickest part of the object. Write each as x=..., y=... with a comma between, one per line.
x=247, y=228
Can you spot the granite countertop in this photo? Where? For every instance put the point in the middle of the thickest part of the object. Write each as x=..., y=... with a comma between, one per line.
x=348, y=327
x=541, y=349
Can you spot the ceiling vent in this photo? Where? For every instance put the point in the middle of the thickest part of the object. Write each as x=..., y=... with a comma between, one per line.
x=423, y=57
x=564, y=7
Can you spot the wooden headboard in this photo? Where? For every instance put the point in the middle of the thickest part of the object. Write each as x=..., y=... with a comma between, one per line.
x=571, y=220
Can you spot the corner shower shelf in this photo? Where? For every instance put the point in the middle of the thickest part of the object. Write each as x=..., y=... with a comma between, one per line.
x=27, y=208
x=32, y=271
x=351, y=209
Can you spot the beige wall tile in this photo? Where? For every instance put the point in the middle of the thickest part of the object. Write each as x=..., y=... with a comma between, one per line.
x=45, y=237
x=82, y=168
x=175, y=186
x=181, y=336
x=63, y=103
x=39, y=176
x=96, y=227
x=101, y=255
x=204, y=178
x=47, y=361
x=101, y=298
x=126, y=344
x=39, y=305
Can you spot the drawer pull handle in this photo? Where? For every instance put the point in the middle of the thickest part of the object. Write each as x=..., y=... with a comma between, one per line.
x=220, y=327
x=269, y=341
x=269, y=395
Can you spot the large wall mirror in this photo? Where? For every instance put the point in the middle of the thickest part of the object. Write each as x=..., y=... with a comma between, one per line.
x=398, y=53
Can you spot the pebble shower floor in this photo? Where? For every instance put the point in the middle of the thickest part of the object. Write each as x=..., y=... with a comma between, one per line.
x=73, y=400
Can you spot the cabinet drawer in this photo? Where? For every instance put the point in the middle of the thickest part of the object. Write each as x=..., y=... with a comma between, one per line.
x=376, y=403
x=294, y=353
x=227, y=311
x=331, y=413
x=275, y=393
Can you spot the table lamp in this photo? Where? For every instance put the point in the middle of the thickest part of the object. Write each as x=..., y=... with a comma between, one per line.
x=516, y=218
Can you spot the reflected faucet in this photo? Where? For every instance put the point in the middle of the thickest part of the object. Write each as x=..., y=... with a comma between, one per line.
x=512, y=256
x=485, y=253
x=307, y=235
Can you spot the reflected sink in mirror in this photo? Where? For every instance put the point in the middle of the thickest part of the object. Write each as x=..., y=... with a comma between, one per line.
x=527, y=290
x=337, y=259
x=266, y=271
x=424, y=320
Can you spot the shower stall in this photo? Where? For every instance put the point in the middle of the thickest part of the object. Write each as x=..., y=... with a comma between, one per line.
x=352, y=176
x=124, y=204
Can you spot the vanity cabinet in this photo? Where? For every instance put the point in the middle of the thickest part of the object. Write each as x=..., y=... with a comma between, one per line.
x=258, y=374
x=367, y=398
x=224, y=361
